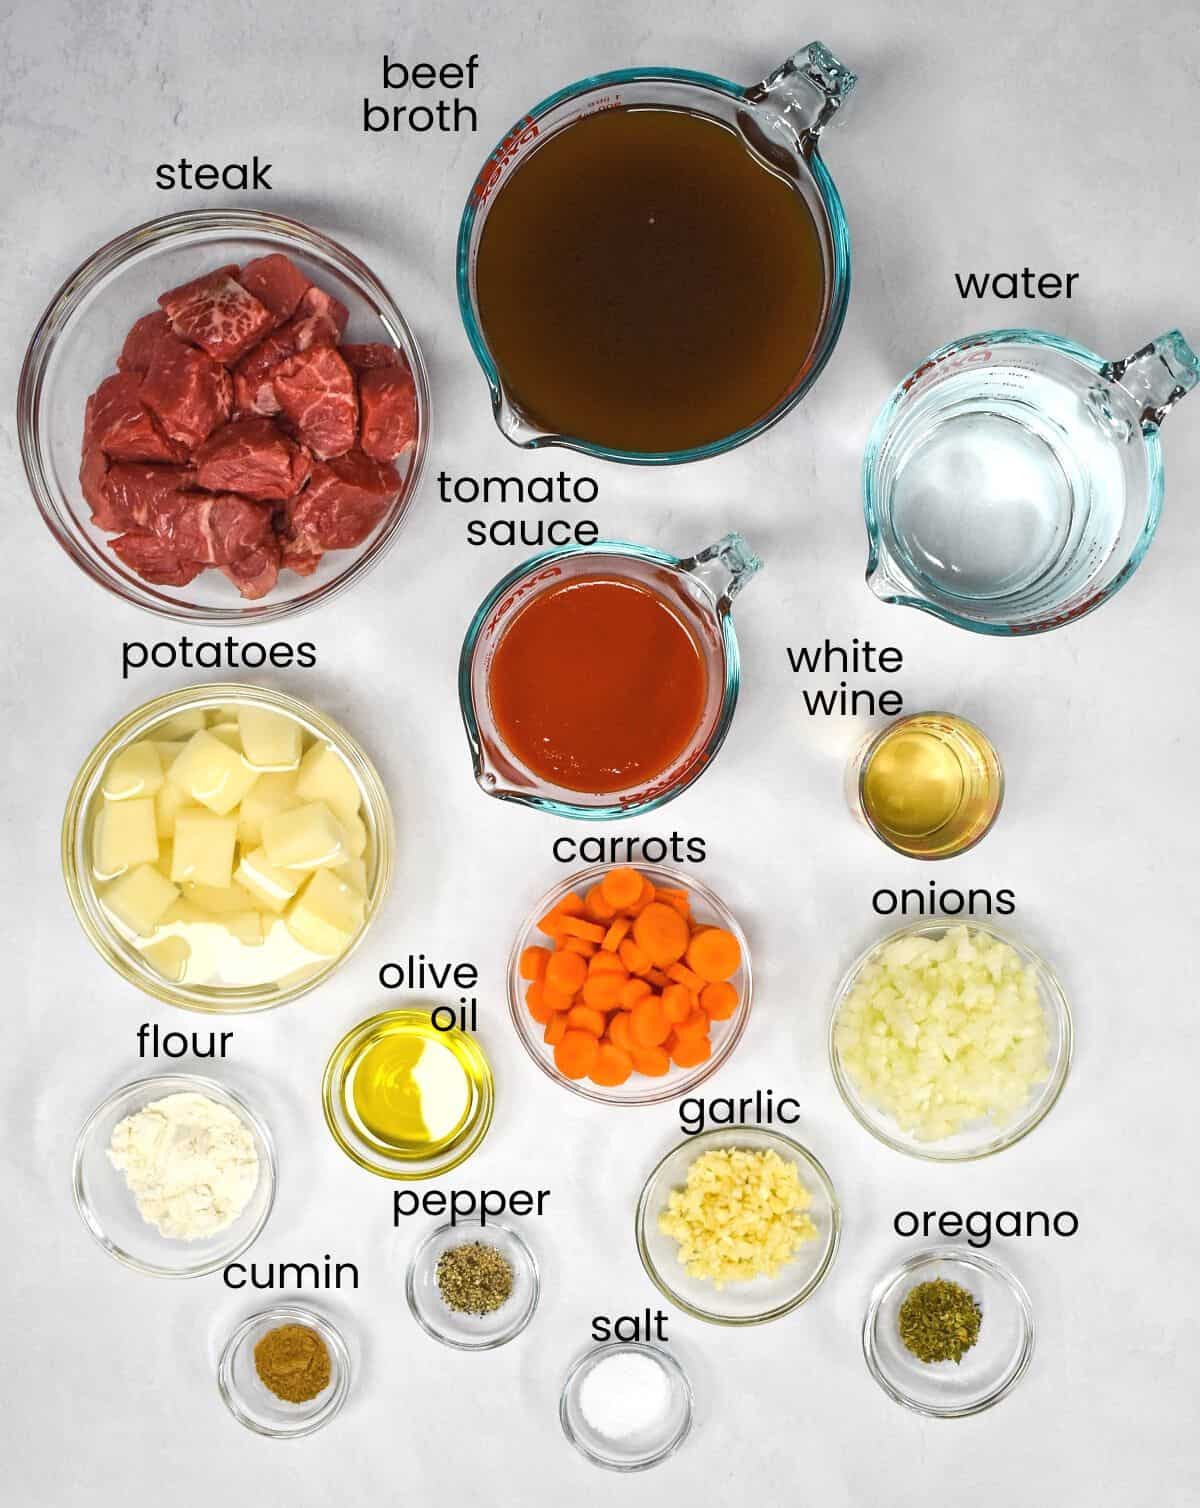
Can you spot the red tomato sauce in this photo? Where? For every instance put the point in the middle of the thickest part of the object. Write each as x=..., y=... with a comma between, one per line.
x=597, y=685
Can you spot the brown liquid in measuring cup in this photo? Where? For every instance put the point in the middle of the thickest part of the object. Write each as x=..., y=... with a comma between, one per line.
x=647, y=284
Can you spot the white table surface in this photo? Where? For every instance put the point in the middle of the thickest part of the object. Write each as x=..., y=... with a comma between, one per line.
x=1063, y=138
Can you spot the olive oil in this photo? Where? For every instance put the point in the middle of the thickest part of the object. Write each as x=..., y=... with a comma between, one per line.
x=414, y=1091
x=930, y=785
x=647, y=283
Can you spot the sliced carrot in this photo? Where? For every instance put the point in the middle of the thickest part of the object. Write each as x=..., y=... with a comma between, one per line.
x=714, y=954
x=663, y=933
x=551, y=924
x=618, y=1031
x=718, y=1000
x=536, y=1001
x=688, y=1052
x=607, y=963
x=652, y=1061
x=643, y=900
x=612, y=938
x=578, y=945
x=575, y=926
x=648, y=1023
x=632, y=991
x=621, y=888
x=570, y=905
x=598, y=906
x=635, y=959
x=695, y=1025
x=533, y=962
x=677, y=1003
x=681, y=974
x=613, y=1066
x=583, y=1018
x=677, y=900
x=603, y=991
x=556, y=999
x=555, y=1028
x=657, y=978
x=566, y=971
x=575, y=1054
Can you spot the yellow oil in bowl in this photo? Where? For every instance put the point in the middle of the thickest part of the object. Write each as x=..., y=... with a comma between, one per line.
x=406, y=1100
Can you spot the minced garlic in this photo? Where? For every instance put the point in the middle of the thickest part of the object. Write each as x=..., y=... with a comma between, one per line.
x=740, y=1215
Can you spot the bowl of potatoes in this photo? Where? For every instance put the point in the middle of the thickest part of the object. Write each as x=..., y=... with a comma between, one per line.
x=225, y=847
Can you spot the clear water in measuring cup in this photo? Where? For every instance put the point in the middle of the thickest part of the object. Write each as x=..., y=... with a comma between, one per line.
x=1005, y=482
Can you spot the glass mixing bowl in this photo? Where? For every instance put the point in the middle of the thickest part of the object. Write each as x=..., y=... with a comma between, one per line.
x=253, y=1404
x=109, y=1210
x=985, y=1136
x=472, y=1332
x=116, y=945
x=76, y=344
x=762, y=1298
x=638, y=1089
x=649, y=1445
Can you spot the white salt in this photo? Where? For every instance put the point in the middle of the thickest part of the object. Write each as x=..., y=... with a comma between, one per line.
x=625, y=1393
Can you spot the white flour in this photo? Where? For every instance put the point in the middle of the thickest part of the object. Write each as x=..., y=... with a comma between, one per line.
x=189, y=1162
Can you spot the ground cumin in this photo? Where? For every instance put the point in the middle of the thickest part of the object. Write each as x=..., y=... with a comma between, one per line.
x=293, y=1361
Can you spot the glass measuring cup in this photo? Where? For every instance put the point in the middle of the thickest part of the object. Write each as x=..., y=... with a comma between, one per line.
x=780, y=120
x=699, y=590
x=1013, y=481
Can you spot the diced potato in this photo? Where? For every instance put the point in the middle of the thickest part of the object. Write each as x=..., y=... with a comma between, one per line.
x=134, y=771
x=227, y=712
x=168, y=803
x=229, y=735
x=354, y=872
x=270, y=793
x=125, y=835
x=246, y=926
x=224, y=902
x=310, y=837
x=169, y=751
x=325, y=776
x=270, y=740
x=326, y=915
x=356, y=837
x=273, y=887
x=139, y=898
x=169, y=957
x=181, y=726
x=204, y=846
x=212, y=773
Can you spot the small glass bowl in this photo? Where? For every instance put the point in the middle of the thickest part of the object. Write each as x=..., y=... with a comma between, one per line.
x=472, y=1332
x=762, y=1298
x=637, y=1089
x=253, y=1404
x=76, y=344
x=118, y=949
x=987, y=1372
x=636, y=1452
x=984, y=1137
x=110, y=1212
x=369, y=1150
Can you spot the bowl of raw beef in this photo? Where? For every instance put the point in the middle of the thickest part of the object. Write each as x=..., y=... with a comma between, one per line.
x=223, y=416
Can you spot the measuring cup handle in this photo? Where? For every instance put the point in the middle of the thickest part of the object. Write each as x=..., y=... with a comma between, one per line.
x=1157, y=375
x=724, y=568
x=808, y=89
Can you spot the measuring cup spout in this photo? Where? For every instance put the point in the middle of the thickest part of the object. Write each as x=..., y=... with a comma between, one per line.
x=1158, y=375
x=807, y=90
x=887, y=586
x=724, y=567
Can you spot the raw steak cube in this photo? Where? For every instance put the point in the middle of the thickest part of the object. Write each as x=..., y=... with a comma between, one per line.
x=154, y=560
x=133, y=495
x=252, y=390
x=320, y=309
x=253, y=457
x=316, y=392
x=387, y=398
x=367, y=357
x=342, y=504
x=141, y=342
x=188, y=391
x=93, y=468
x=256, y=573
x=303, y=561
x=276, y=282
x=217, y=530
x=216, y=313
x=123, y=426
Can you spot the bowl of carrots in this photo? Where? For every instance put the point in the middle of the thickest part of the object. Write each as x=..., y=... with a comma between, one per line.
x=629, y=985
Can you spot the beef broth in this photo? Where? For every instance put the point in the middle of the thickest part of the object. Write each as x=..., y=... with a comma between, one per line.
x=646, y=283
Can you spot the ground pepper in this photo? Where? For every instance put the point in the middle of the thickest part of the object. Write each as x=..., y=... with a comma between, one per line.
x=474, y=1278
x=293, y=1362
x=939, y=1321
